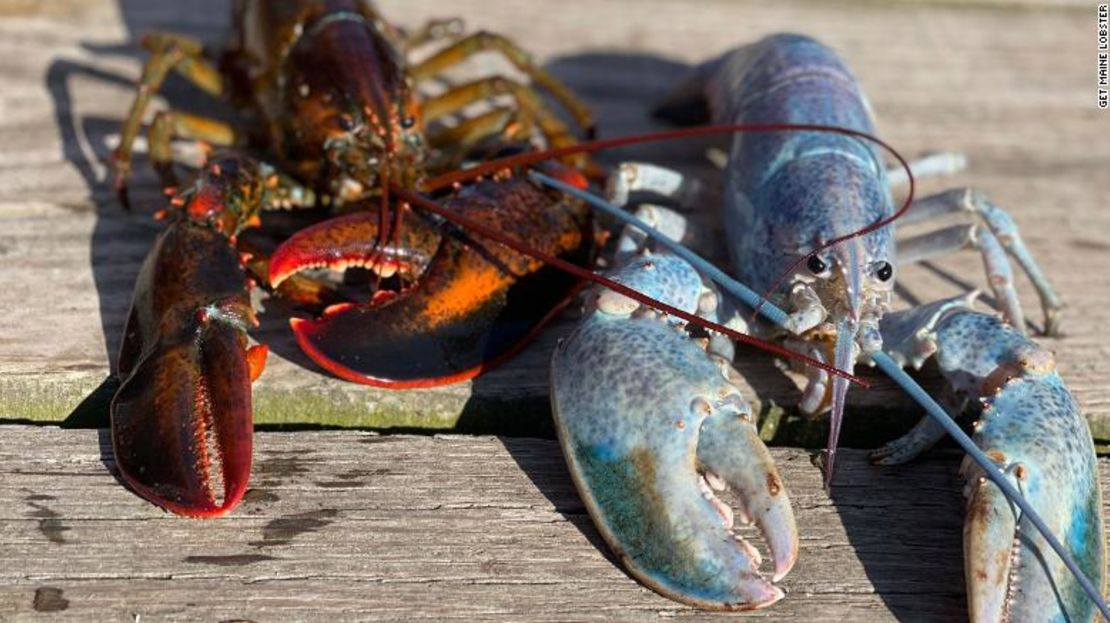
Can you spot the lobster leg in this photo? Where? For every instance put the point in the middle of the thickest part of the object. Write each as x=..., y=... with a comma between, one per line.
x=531, y=111
x=648, y=421
x=1032, y=427
x=501, y=121
x=1000, y=275
x=169, y=52
x=632, y=177
x=477, y=42
x=995, y=232
x=433, y=30
x=924, y=435
x=933, y=165
x=170, y=125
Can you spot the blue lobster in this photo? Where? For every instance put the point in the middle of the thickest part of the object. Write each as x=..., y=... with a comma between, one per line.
x=669, y=427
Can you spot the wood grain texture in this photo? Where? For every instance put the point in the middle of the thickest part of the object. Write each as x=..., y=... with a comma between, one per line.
x=348, y=525
x=1012, y=88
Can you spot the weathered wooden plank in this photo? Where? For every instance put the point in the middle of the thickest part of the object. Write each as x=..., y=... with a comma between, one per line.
x=346, y=525
x=1012, y=89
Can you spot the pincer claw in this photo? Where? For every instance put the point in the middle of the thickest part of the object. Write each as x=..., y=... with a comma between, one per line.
x=181, y=420
x=647, y=421
x=465, y=304
x=1032, y=428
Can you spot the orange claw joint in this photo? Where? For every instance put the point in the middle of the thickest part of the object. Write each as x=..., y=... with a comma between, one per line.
x=464, y=304
x=181, y=420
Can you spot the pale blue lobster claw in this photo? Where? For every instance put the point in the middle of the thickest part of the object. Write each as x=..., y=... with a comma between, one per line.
x=647, y=420
x=1032, y=428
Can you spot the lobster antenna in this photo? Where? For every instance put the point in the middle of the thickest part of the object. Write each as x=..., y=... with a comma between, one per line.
x=532, y=157
x=771, y=312
x=582, y=273
x=499, y=164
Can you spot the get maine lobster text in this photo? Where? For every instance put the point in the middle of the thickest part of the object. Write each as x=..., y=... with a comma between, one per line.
x=1103, y=23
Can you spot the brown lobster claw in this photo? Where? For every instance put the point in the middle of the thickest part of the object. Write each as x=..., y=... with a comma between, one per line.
x=473, y=303
x=181, y=420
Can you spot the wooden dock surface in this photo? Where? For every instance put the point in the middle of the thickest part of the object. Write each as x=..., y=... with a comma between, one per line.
x=349, y=525
x=342, y=526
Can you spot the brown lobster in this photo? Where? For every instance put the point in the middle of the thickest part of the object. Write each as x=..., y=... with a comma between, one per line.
x=338, y=118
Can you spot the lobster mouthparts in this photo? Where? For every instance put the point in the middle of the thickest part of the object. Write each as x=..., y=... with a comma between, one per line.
x=464, y=305
x=181, y=420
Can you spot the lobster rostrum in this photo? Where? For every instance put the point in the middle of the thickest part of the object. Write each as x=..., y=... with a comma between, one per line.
x=339, y=122
x=644, y=455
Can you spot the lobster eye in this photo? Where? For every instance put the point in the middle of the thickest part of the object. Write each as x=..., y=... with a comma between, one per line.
x=885, y=272
x=816, y=265
x=408, y=122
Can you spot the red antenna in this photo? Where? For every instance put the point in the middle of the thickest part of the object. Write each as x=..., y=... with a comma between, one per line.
x=582, y=273
x=501, y=164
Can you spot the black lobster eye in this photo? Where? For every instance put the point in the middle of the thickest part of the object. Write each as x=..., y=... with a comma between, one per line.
x=408, y=122
x=816, y=265
x=885, y=272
